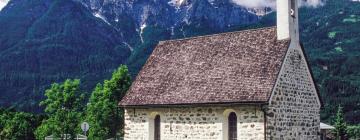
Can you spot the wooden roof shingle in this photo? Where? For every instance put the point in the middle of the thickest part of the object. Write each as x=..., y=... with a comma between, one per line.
x=234, y=67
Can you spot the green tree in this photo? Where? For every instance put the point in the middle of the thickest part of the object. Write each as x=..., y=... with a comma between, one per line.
x=353, y=131
x=64, y=109
x=103, y=114
x=17, y=125
x=340, y=125
x=3, y=118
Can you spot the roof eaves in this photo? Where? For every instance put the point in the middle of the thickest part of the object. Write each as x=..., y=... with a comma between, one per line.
x=281, y=66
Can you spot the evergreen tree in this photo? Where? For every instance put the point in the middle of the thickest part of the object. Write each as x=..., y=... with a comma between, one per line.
x=340, y=125
x=103, y=114
x=63, y=107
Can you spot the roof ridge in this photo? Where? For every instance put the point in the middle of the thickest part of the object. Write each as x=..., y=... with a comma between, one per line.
x=217, y=34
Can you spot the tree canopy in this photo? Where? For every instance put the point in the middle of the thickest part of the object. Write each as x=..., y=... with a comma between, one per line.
x=17, y=125
x=103, y=114
x=63, y=108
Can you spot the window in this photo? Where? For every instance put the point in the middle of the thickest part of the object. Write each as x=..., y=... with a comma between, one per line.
x=293, y=6
x=232, y=120
x=157, y=127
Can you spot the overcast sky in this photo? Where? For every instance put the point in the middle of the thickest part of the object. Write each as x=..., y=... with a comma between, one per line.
x=271, y=3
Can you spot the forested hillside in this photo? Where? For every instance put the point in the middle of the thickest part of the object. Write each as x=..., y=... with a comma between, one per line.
x=331, y=37
x=47, y=41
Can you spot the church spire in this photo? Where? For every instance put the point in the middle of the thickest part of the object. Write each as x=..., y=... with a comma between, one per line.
x=287, y=20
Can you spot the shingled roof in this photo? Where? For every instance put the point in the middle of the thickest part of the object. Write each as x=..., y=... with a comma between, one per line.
x=234, y=67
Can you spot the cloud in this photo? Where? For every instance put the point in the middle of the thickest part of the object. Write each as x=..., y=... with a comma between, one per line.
x=272, y=3
x=3, y=3
x=255, y=3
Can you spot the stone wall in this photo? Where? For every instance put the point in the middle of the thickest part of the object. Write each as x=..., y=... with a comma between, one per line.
x=294, y=110
x=194, y=123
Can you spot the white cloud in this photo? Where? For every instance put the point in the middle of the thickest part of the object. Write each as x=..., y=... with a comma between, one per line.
x=255, y=3
x=272, y=3
x=3, y=3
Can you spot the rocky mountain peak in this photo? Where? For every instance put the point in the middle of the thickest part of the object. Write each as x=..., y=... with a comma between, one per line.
x=173, y=13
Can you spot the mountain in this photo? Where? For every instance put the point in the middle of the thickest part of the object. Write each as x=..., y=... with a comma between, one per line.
x=157, y=20
x=46, y=41
x=173, y=13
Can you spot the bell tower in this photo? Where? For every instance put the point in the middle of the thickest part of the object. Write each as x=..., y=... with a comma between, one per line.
x=287, y=20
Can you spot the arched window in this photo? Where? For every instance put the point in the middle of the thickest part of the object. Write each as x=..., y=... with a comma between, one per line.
x=157, y=127
x=232, y=123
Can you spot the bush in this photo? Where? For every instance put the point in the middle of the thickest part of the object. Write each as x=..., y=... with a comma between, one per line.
x=353, y=131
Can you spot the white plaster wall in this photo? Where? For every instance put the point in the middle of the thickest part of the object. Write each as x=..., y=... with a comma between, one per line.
x=283, y=15
x=194, y=123
x=287, y=26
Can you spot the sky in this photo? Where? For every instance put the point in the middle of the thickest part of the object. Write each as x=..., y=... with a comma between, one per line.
x=3, y=3
x=245, y=3
x=272, y=3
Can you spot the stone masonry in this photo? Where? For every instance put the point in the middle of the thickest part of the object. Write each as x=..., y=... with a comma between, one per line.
x=194, y=123
x=293, y=112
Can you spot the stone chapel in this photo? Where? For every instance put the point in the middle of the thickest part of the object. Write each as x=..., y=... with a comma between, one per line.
x=246, y=85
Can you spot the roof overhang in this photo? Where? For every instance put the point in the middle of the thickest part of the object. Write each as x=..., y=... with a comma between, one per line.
x=324, y=126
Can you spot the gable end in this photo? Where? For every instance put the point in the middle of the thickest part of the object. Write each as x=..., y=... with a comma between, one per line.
x=299, y=48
